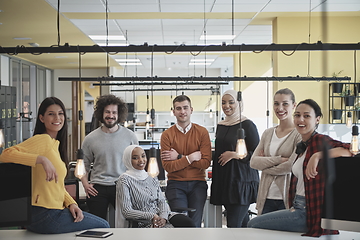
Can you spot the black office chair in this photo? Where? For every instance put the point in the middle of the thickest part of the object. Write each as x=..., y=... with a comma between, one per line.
x=72, y=183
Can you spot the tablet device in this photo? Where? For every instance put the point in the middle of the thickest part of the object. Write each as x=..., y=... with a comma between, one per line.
x=95, y=234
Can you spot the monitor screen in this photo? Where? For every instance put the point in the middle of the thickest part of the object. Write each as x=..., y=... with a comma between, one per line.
x=340, y=211
x=15, y=197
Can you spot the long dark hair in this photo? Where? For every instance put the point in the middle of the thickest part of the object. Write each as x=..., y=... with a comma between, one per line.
x=62, y=135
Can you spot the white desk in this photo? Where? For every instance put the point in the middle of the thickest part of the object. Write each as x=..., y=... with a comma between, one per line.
x=178, y=234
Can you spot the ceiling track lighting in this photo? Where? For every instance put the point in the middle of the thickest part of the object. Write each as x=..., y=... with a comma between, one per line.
x=160, y=83
x=66, y=48
x=213, y=90
x=188, y=80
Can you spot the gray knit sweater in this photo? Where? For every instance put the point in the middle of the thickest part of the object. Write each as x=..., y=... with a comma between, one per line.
x=105, y=151
x=272, y=167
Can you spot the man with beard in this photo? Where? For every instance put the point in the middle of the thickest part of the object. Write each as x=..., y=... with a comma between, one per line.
x=104, y=148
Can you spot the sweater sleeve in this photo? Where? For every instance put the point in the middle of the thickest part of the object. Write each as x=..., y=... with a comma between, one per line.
x=205, y=149
x=263, y=162
x=173, y=165
x=285, y=167
x=22, y=153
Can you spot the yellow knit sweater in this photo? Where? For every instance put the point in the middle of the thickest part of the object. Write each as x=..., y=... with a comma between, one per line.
x=44, y=194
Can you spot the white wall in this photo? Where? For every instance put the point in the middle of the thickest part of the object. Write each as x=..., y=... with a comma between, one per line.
x=4, y=70
x=62, y=89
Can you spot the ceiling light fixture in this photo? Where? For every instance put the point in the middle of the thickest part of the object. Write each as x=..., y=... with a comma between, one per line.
x=318, y=46
x=22, y=38
x=201, y=78
x=130, y=63
x=202, y=60
x=34, y=44
x=217, y=37
x=200, y=63
x=127, y=60
x=111, y=44
x=104, y=37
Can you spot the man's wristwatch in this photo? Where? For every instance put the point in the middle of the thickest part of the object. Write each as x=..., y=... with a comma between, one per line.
x=179, y=156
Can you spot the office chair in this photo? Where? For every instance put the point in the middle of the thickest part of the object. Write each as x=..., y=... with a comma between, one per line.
x=72, y=183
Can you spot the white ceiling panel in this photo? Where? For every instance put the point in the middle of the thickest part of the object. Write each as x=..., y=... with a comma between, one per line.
x=340, y=7
x=134, y=8
x=250, y=7
x=182, y=22
x=226, y=22
x=185, y=7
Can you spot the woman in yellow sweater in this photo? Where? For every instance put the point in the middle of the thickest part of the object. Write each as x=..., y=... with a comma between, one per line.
x=53, y=209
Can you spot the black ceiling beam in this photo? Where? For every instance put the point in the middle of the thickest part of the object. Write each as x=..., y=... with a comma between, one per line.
x=187, y=80
x=214, y=90
x=159, y=83
x=319, y=46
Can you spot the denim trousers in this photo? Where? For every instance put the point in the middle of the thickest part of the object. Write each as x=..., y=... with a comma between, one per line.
x=187, y=194
x=292, y=220
x=272, y=205
x=54, y=221
x=236, y=215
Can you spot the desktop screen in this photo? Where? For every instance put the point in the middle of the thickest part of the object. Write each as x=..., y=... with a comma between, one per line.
x=15, y=197
x=341, y=209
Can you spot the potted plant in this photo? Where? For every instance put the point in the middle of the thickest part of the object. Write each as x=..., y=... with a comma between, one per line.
x=336, y=113
x=349, y=98
x=337, y=87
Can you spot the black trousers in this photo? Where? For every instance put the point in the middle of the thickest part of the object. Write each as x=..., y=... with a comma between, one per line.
x=181, y=221
x=98, y=205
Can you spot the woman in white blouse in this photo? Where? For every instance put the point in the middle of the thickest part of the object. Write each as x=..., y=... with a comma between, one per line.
x=139, y=196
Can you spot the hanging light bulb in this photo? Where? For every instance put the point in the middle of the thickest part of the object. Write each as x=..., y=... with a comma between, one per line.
x=80, y=166
x=153, y=167
x=148, y=115
x=2, y=136
x=211, y=113
x=171, y=112
x=241, y=150
x=126, y=124
x=147, y=126
x=354, y=145
x=349, y=120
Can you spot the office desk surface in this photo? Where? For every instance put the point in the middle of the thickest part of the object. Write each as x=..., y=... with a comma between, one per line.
x=178, y=234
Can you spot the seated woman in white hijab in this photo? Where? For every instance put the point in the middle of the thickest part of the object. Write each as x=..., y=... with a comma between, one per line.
x=139, y=195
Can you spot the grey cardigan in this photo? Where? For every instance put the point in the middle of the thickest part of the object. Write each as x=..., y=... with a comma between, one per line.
x=272, y=167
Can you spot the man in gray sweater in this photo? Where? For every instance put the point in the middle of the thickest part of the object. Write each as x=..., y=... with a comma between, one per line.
x=104, y=148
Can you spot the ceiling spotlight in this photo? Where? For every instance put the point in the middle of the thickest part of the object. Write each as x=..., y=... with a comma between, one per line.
x=22, y=38
x=34, y=44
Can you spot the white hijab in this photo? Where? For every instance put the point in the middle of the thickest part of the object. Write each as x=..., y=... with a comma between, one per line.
x=131, y=171
x=235, y=117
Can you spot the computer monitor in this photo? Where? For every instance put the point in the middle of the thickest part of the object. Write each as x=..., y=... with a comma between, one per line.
x=341, y=209
x=15, y=195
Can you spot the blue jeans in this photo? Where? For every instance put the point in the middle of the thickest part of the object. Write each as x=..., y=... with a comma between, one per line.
x=187, y=194
x=236, y=215
x=272, y=205
x=54, y=221
x=292, y=220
